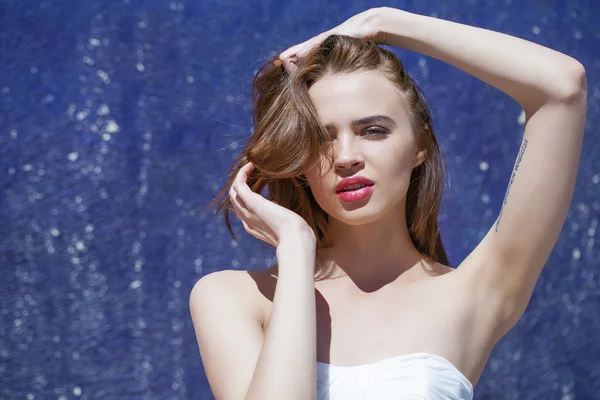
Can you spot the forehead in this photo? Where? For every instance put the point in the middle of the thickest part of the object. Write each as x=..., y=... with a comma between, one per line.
x=342, y=97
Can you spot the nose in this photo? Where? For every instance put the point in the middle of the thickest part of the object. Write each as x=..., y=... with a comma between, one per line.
x=348, y=156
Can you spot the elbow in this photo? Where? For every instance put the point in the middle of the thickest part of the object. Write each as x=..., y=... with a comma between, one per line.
x=575, y=82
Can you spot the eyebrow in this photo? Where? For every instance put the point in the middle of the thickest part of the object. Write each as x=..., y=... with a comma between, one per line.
x=374, y=119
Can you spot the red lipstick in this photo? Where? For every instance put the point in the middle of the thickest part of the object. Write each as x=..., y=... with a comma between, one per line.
x=346, y=193
x=353, y=181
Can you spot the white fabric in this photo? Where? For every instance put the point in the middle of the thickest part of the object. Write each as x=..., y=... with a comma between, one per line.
x=415, y=376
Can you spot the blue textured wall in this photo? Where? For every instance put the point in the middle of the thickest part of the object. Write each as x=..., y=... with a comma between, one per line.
x=118, y=120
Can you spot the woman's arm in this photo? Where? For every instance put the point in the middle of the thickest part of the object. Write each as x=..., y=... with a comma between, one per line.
x=244, y=359
x=286, y=366
x=529, y=73
x=551, y=88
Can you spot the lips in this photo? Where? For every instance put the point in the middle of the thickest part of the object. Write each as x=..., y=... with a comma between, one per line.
x=353, y=181
x=356, y=195
x=353, y=187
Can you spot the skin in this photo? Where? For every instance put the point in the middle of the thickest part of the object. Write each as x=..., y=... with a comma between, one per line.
x=459, y=315
x=370, y=240
x=381, y=283
x=377, y=271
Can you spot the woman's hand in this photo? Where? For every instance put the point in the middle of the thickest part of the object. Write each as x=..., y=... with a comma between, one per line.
x=363, y=26
x=262, y=218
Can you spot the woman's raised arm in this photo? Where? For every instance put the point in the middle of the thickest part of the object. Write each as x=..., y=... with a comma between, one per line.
x=551, y=89
x=529, y=73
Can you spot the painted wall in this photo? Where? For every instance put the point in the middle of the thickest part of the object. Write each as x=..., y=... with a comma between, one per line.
x=118, y=120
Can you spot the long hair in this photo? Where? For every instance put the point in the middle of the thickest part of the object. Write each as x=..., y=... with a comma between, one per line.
x=288, y=137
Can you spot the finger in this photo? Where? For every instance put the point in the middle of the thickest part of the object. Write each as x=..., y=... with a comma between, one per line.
x=289, y=68
x=239, y=177
x=289, y=53
x=289, y=65
x=239, y=202
x=239, y=183
x=246, y=227
x=234, y=203
x=294, y=52
x=289, y=58
x=243, y=191
x=239, y=208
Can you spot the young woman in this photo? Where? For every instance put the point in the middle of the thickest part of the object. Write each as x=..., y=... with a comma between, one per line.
x=362, y=303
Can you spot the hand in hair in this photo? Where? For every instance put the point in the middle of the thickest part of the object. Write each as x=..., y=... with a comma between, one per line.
x=362, y=26
x=262, y=218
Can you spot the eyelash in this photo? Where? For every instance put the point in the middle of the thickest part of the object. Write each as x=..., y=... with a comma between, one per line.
x=377, y=131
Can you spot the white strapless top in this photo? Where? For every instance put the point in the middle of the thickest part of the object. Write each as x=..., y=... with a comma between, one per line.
x=421, y=376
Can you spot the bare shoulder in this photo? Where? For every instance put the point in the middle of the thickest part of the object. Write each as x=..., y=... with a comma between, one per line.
x=236, y=283
x=228, y=280
x=223, y=305
x=253, y=289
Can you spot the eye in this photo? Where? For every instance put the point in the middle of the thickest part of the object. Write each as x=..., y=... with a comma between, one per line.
x=376, y=132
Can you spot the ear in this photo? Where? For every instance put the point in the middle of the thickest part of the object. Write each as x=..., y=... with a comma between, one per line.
x=420, y=156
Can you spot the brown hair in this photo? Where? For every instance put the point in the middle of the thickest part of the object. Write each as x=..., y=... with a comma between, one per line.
x=288, y=137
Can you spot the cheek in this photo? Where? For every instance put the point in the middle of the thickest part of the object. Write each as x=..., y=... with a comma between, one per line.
x=397, y=163
x=394, y=172
x=318, y=178
x=322, y=189
x=397, y=158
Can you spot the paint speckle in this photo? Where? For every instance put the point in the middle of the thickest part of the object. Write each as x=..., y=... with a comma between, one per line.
x=522, y=118
x=112, y=127
x=135, y=284
x=104, y=76
x=103, y=110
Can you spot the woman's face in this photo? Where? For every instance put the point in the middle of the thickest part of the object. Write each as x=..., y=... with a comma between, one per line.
x=382, y=150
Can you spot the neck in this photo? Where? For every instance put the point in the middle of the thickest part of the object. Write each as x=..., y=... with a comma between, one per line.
x=373, y=253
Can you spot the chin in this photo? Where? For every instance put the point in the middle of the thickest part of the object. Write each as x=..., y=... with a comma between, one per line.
x=351, y=214
x=360, y=213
